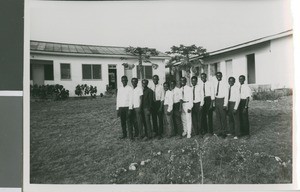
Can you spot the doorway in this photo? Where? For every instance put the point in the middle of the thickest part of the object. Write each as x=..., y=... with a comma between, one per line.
x=41, y=70
x=112, y=76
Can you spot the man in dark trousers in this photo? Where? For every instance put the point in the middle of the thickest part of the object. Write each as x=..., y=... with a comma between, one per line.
x=197, y=100
x=208, y=93
x=177, y=108
x=147, y=105
x=157, y=113
x=245, y=93
x=124, y=107
x=221, y=101
x=233, y=104
x=136, y=116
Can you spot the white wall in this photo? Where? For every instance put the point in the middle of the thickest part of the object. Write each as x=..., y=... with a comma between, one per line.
x=76, y=70
x=282, y=59
x=273, y=62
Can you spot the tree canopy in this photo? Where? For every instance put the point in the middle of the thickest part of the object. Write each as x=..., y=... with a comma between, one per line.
x=144, y=54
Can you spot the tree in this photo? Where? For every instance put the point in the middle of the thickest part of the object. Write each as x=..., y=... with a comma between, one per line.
x=186, y=56
x=143, y=54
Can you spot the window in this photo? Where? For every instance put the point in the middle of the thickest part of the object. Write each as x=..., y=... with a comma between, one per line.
x=251, y=68
x=146, y=71
x=91, y=71
x=228, y=68
x=48, y=72
x=65, y=71
x=214, y=68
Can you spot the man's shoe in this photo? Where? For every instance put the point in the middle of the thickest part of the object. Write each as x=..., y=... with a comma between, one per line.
x=183, y=134
x=188, y=136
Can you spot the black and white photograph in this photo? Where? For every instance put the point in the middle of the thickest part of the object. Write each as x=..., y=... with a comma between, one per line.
x=161, y=92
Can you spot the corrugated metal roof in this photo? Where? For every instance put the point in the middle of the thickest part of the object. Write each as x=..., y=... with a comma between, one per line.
x=65, y=48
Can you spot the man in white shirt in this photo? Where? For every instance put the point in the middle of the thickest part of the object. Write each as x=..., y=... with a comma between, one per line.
x=197, y=100
x=221, y=101
x=187, y=105
x=245, y=93
x=233, y=104
x=177, y=108
x=124, y=107
x=137, y=94
x=168, y=111
x=157, y=113
x=208, y=93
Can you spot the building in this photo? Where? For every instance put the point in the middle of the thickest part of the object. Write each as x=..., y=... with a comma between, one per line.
x=266, y=62
x=101, y=66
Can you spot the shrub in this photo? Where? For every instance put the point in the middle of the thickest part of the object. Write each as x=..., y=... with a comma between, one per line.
x=110, y=90
x=93, y=91
x=86, y=90
x=272, y=94
x=55, y=92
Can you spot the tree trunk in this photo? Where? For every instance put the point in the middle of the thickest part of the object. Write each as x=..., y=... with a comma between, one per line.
x=141, y=68
x=177, y=76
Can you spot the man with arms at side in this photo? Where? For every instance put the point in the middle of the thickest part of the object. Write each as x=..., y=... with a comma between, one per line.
x=245, y=93
x=177, y=108
x=157, y=113
x=187, y=105
x=168, y=111
x=124, y=107
x=147, y=104
x=233, y=104
x=221, y=101
x=208, y=93
x=197, y=99
x=136, y=115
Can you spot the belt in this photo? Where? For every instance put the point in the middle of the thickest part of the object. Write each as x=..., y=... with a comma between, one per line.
x=185, y=101
x=206, y=96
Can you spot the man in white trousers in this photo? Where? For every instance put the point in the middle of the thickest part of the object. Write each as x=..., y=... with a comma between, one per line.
x=187, y=105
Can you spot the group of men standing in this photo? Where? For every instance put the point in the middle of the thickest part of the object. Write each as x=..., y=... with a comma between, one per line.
x=167, y=110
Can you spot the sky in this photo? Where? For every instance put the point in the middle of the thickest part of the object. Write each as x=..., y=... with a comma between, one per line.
x=212, y=24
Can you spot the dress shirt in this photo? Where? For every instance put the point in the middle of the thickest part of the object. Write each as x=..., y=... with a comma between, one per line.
x=124, y=97
x=234, y=95
x=187, y=96
x=198, y=94
x=245, y=91
x=209, y=89
x=158, y=92
x=169, y=100
x=177, y=94
x=223, y=90
x=136, y=97
x=147, y=98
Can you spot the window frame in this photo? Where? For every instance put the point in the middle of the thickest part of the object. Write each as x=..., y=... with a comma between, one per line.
x=61, y=72
x=92, y=74
x=144, y=71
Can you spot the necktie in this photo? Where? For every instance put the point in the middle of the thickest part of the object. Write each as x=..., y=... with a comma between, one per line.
x=204, y=89
x=229, y=93
x=218, y=88
x=194, y=93
x=182, y=93
x=240, y=89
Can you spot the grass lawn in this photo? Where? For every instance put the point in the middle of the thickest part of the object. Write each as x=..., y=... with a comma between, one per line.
x=76, y=141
